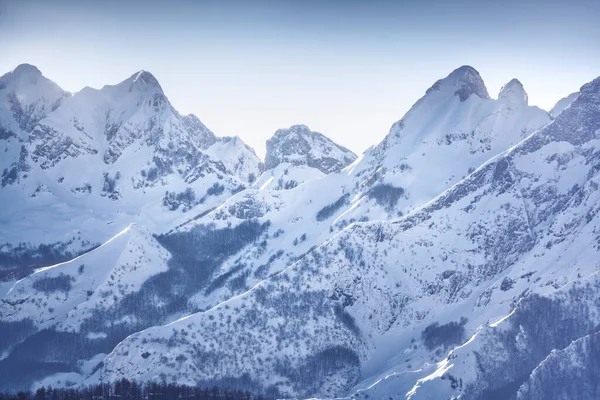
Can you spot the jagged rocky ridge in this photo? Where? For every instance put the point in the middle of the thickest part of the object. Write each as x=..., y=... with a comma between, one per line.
x=286, y=291
x=391, y=278
x=86, y=165
x=156, y=162
x=297, y=155
x=541, y=248
x=365, y=190
x=562, y=104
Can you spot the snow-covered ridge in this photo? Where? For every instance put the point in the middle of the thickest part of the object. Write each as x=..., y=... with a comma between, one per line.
x=562, y=104
x=458, y=262
x=355, y=283
x=441, y=140
x=121, y=152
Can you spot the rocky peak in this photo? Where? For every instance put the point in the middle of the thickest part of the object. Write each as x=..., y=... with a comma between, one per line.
x=29, y=96
x=145, y=79
x=24, y=77
x=513, y=94
x=142, y=83
x=416, y=125
x=462, y=82
x=298, y=145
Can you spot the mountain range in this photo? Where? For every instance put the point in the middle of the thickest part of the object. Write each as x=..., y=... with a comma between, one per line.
x=455, y=259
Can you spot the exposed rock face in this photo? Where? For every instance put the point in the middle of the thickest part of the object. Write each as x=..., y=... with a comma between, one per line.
x=298, y=145
x=462, y=82
x=562, y=104
x=298, y=155
x=569, y=373
x=26, y=97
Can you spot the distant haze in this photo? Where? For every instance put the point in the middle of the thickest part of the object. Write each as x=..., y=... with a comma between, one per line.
x=348, y=69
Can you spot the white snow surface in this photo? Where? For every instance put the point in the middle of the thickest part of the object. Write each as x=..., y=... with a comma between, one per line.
x=447, y=259
x=467, y=207
x=99, y=159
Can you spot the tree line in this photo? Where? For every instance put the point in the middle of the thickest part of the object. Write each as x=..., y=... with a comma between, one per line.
x=126, y=389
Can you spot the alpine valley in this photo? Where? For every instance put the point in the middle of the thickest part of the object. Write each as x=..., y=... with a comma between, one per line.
x=458, y=258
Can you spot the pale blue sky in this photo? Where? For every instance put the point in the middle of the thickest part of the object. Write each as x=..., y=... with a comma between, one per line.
x=348, y=69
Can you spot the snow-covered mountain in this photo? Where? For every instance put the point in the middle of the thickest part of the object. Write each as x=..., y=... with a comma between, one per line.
x=384, y=299
x=369, y=189
x=80, y=168
x=449, y=260
x=445, y=136
x=297, y=155
x=26, y=97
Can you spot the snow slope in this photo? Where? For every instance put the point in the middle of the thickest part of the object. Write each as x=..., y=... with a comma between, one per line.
x=373, y=187
x=543, y=268
x=422, y=269
x=387, y=298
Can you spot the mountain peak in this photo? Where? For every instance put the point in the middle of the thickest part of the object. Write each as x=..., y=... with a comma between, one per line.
x=464, y=70
x=463, y=81
x=26, y=69
x=514, y=93
x=144, y=80
x=296, y=129
x=31, y=96
x=23, y=74
x=299, y=145
x=29, y=85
